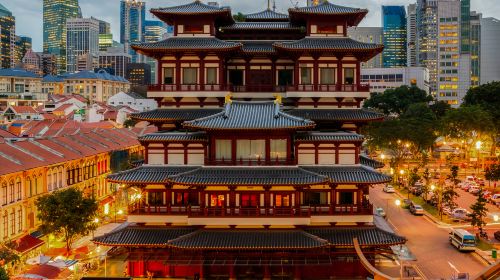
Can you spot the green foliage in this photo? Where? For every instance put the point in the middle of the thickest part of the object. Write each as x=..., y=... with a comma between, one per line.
x=488, y=98
x=492, y=173
x=479, y=211
x=454, y=175
x=466, y=122
x=413, y=177
x=396, y=101
x=449, y=196
x=8, y=255
x=67, y=212
x=129, y=123
x=239, y=17
x=3, y=274
x=440, y=108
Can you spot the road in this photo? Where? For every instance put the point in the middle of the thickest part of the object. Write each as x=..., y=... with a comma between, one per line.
x=436, y=258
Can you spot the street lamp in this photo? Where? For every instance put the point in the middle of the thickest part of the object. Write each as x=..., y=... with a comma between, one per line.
x=479, y=144
x=495, y=218
x=397, y=202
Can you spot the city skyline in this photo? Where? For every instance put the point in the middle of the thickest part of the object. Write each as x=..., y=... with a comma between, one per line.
x=27, y=12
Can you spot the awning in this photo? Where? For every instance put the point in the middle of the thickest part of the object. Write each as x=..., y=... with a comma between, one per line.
x=27, y=243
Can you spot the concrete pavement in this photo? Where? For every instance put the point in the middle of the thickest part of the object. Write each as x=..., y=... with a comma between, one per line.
x=436, y=258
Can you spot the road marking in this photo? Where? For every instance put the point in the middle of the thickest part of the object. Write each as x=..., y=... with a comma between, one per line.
x=393, y=226
x=454, y=267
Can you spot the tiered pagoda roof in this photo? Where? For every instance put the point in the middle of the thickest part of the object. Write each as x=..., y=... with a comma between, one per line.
x=340, y=45
x=196, y=8
x=174, y=137
x=316, y=136
x=249, y=175
x=336, y=114
x=327, y=9
x=262, y=26
x=365, y=160
x=253, y=115
x=183, y=44
x=174, y=115
x=266, y=16
x=248, y=239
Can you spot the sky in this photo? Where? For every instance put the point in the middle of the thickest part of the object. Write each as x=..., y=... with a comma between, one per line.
x=28, y=13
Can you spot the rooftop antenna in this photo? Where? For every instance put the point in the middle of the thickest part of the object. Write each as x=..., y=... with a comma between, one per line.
x=268, y=5
x=274, y=5
x=294, y=4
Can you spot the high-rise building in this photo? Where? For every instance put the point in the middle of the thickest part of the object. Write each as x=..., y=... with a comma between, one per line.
x=87, y=62
x=105, y=35
x=31, y=62
x=475, y=48
x=411, y=36
x=23, y=45
x=394, y=26
x=55, y=14
x=82, y=38
x=138, y=74
x=490, y=40
x=132, y=25
x=372, y=35
x=427, y=37
x=48, y=64
x=116, y=59
x=154, y=32
x=7, y=38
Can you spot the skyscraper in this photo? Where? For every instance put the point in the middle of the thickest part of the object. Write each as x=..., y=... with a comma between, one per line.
x=55, y=14
x=82, y=39
x=490, y=40
x=23, y=44
x=411, y=36
x=427, y=39
x=7, y=38
x=475, y=48
x=154, y=31
x=132, y=24
x=372, y=35
x=394, y=26
x=116, y=59
x=105, y=35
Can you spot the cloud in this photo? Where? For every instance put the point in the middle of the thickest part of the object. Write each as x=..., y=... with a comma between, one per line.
x=28, y=13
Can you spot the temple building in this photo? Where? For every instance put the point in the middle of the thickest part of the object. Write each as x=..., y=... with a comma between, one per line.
x=257, y=171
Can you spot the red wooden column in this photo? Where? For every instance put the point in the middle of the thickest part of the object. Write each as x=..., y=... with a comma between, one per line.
x=296, y=74
x=221, y=71
x=247, y=72
x=339, y=73
x=165, y=153
x=232, y=199
x=333, y=199
x=337, y=155
x=273, y=70
x=232, y=274
x=316, y=73
x=356, y=154
x=202, y=199
x=359, y=197
x=159, y=71
x=297, y=199
x=202, y=71
x=146, y=153
x=178, y=71
x=168, y=188
x=267, y=199
x=358, y=75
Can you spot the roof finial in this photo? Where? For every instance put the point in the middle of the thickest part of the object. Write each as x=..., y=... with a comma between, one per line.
x=268, y=5
x=274, y=5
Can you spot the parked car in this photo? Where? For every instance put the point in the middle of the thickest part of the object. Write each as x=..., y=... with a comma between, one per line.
x=467, y=186
x=447, y=210
x=497, y=235
x=460, y=214
x=417, y=189
x=380, y=211
x=389, y=189
x=416, y=209
x=495, y=199
x=487, y=195
x=406, y=203
x=474, y=189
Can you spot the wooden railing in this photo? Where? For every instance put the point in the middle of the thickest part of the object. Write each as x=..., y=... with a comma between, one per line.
x=263, y=88
x=301, y=211
x=251, y=162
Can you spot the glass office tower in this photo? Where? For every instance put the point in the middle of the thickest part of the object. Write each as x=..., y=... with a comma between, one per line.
x=55, y=15
x=132, y=25
x=394, y=26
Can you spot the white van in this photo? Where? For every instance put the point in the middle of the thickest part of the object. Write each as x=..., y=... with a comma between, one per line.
x=463, y=240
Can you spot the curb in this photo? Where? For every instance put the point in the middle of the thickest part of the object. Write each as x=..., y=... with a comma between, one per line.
x=432, y=218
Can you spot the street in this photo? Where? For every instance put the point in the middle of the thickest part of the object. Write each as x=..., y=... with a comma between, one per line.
x=436, y=258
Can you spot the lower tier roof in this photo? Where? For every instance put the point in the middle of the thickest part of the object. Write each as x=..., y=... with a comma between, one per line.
x=249, y=175
x=247, y=239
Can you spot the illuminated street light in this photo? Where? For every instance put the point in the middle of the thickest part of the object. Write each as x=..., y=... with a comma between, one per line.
x=407, y=145
x=495, y=218
x=382, y=156
x=397, y=202
x=402, y=172
x=479, y=144
x=120, y=212
x=433, y=187
x=96, y=220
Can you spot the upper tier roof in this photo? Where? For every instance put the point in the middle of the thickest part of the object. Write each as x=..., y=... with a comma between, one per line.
x=192, y=9
x=266, y=15
x=328, y=44
x=336, y=114
x=254, y=115
x=187, y=44
x=260, y=25
x=352, y=15
x=179, y=115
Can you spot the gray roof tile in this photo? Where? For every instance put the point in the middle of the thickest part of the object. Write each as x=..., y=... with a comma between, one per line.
x=349, y=174
x=336, y=114
x=254, y=115
x=192, y=8
x=266, y=15
x=258, y=47
x=175, y=137
x=249, y=176
x=162, y=115
x=326, y=44
x=365, y=160
x=148, y=174
x=367, y=236
x=327, y=8
x=314, y=136
x=261, y=26
x=142, y=236
x=188, y=43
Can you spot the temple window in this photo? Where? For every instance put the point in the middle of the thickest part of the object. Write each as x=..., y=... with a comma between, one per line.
x=189, y=76
x=193, y=28
x=349, y=76
x=185, y=198
x=236, y=77
x=211, y=76
x=278, y=148
x=155, y=198
x=217, y=200
x=282, y=200
x=249, y=200
x=346, y=198
x=285, y=77
x=168, y=75
x=305, y=75
x=327, y=76
x=251, y=149
x=315, y=198
x=223, y=149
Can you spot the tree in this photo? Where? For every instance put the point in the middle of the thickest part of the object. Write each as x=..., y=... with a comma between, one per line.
x=396, y=101
x=239, y=17
x=129, y=123
x=426, y=175
x=3, y=274
x=492, y=172
x=479, y=211
x=488, y=98
x=448, y=197
x=440, y=108
x=67, y=212
x=454, y=175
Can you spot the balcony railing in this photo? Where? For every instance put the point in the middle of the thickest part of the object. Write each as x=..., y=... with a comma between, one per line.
x=301, y=211
x=251, y=162
x=263, y=88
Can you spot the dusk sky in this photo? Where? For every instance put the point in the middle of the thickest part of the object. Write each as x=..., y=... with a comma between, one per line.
x=28, y=13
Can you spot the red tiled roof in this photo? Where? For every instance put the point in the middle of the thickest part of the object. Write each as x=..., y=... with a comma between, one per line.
x=62, y=108
x=27, y=243
x=45, y=270
x=6, y=134
x=23, y=109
